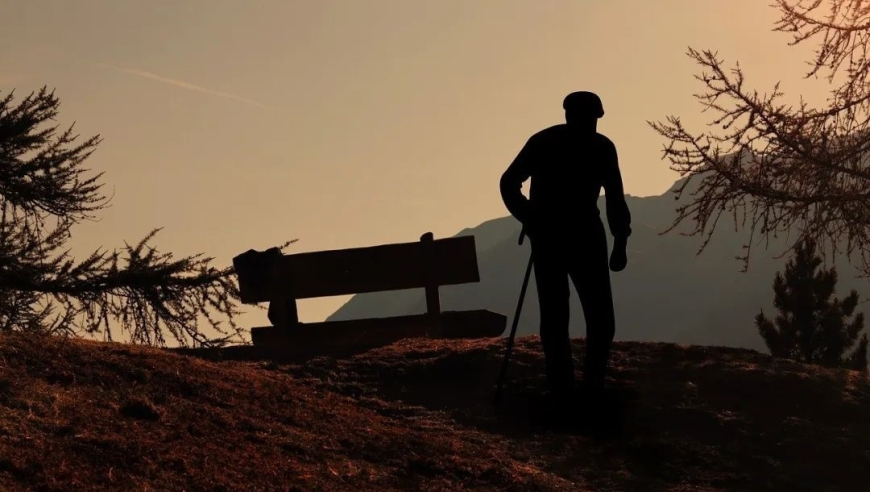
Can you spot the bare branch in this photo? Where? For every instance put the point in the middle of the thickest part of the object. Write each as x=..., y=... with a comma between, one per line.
x=776, y=168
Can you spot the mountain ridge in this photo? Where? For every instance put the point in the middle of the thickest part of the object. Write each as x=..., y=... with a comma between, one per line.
x=667, y=293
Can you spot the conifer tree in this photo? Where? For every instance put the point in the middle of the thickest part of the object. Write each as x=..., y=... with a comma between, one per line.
x=813, y=326
x=44, y=192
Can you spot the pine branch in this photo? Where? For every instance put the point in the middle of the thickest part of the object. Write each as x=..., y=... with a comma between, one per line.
x=44, y=191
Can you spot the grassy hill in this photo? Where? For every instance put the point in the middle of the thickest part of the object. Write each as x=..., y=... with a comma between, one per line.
x=82, y=416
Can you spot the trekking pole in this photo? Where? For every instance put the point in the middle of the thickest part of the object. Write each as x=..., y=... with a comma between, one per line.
x=510, y=344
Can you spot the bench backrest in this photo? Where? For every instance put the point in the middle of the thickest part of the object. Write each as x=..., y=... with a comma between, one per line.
x=428, y=263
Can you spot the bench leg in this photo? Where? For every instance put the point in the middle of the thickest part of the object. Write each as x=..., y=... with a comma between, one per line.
x=283, y=313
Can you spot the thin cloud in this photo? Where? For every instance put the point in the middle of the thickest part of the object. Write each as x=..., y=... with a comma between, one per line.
x=184, y=85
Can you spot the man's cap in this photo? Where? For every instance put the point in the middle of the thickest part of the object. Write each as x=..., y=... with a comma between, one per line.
x=584, y=102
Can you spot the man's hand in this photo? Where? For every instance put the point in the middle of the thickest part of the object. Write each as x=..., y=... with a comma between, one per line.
x=618, y=257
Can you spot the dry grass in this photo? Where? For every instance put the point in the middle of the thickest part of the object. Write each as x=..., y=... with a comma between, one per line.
x=417, y=415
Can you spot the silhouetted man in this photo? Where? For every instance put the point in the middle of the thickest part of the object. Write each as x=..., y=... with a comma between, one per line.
x=568, y=165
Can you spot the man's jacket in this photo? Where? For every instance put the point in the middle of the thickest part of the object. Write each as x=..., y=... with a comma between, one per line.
x=568, y=168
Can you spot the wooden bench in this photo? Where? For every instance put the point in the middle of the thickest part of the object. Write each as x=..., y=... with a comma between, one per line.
x=269, y=276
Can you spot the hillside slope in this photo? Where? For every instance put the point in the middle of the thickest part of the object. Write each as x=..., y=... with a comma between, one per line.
x=85, y=416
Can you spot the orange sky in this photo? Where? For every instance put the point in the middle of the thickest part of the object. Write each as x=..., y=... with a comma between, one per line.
x=238, y=125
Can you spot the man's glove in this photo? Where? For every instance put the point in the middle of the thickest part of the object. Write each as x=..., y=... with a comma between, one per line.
x=618, y=257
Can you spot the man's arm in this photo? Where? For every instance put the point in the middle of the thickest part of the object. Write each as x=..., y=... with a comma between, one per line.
x=618, y=215
x=512, y=180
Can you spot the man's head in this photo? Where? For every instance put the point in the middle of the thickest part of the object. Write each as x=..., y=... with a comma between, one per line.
x=583, y=109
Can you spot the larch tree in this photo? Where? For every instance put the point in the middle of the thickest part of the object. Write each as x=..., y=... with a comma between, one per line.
x=777, y=167
x=45, y=190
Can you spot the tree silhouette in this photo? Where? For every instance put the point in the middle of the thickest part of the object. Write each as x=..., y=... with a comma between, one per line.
x=773, y=165
x=811, y=326
x=44, y=192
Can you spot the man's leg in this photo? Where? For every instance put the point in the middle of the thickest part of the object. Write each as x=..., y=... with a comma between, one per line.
x=551, y=277
x=590, y=273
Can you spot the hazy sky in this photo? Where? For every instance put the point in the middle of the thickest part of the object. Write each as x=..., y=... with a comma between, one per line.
x=241, y=124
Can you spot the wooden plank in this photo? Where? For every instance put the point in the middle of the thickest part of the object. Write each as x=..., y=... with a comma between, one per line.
x=370, y=269
x=354, y=336
x=286, y=346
